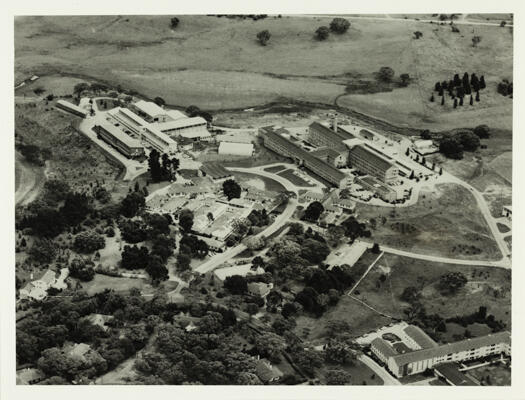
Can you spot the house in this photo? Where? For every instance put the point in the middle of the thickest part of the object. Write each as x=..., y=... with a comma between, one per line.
x=424, y=147
x=260, y=288
x=266, y=372
x=100, y=320
x=78, y=350
x=236, y=149
x=214, y=244
x=243, y=270
x=37, y=290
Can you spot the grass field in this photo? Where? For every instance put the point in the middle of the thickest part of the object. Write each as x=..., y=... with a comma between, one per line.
x=402, y=272
x=360, y=373
x=296, y=180
x=445, y=222
x=102, y=282
x=144, y=54
x=492, y=375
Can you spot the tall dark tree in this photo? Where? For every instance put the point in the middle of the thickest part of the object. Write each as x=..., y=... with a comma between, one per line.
x=186, y=219
x=155, y=169
x=432, y=98
x=174, y=22
x=263, y=37
x=313, y=211
x=477, y=96
x=471, y=100
x=442, y=100
x=457, y=81
x=231, y=189
x=455, y=103
x=132, y=204
x=437, y=87
x=482, y=84
x=461, y=101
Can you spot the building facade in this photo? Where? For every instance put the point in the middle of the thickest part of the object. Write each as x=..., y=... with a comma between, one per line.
x=125, y=144
x=365, y=160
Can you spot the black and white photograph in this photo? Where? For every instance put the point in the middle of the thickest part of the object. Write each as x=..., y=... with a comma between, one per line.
x=307, y=200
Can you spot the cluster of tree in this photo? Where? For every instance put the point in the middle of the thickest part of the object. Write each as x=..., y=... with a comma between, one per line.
x=33, y=153
x=186, y=220
x=132, y=204
x=454, y=145
x=451, y=282
x=206, y=355
x=58, y=320
x=254, y=17
x=337, y=26
x=82, y=269
x=313, y=211
x=190, y=247
x=174, y=22
x=480, y=317
x=505, y=88
x=259, y=218
x=162, y=168
x=323, y=289
x=88, y=241
x=49, y=220
x=355, y=229
x=231, y=189
x=194, y=111
x=147, y=228
x=458, y=88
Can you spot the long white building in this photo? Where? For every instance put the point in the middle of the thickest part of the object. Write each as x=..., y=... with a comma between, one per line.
x=158, y=140
x=236, y=149
x=189, y=128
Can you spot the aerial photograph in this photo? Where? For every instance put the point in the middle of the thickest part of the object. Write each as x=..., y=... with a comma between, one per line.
x=263, y=199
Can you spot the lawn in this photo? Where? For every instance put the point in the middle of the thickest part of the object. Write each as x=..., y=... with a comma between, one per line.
x=275, y=168
x=296, y=180
x=360, y=373
x=102, y=282
x=444, y=222
x=252, y=179
x=492, y=375
x=503, y=228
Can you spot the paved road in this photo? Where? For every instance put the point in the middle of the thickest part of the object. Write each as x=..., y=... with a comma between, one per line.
x=378, y=370
x=365, y=274
x=277, y=224
x=389, y=18
x=133, y=167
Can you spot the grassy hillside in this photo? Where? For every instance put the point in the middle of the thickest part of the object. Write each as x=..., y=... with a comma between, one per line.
x=217, y=63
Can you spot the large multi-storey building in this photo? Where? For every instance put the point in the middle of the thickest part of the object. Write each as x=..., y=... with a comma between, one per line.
x=323, y=136
x=431, y=355
x=274, y=141
x=188, y=128
x=337, y=158
x=128, y=119
x=111, y=134
x=369, y=161
x=158, y=140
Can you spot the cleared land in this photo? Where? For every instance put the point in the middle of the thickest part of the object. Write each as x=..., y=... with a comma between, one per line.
x=144, y=54
x=444, y=222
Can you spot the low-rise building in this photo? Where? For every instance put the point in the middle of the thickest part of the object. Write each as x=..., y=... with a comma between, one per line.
x=37, y=290
x=267, y=372
x=424, y=147
x=188, y=128
x=243, y=270
x=29, y=376
x=260, y=288
x=158, y=140
x=216, y=171
x=373, y=184
x=128, y=119
x=71, y=108
x=237, y=149
x=382, y=349
x=152, y=111
x=124, y=143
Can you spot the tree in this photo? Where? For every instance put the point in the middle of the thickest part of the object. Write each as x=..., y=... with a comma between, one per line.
x=339, y=351
x=159, y=101
x=231, y=189
x=79, y=88
x=432, y=98
x=263, y=37
x=461, y=101
x=405, y=78
x=339, y=25
x=43, y=251
x=451, y=148
x=255, y=242
x=386, y=74
x=376, y=249
x=156, y=268
x=337, y=377
x=482, y=84
x=451, y=282
x=186, y=219
x=183, y=261
x=174, y=22
x=308, y=360
x=442, y=100
x=236, y=284
x=471, y=101
x=468, y=140
x=88, y=242
x=314, y=251
x=270, y=345
x=410, y=294
x=437, y=87
x=132, y=204
x=313, y=211
x=322, y=33
x=134, y=257
x=155, y=169
x=455, y=103
x=82, y=269
x=418, y=35
x=477, y=96
x=482, y=131
x=476, y=40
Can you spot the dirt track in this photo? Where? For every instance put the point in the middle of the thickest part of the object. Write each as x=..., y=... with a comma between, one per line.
x=29, y=181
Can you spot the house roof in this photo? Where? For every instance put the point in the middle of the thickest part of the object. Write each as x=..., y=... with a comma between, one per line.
x=138, y=121
x=366, y=153
x=48, y=277
x=175, y=114
x=79, y=350
x=260, y=288
x=420, y=337
x=242, y=270
x=149, y=108
x=314, y=195
x=443, y=350
x=157, y=134
x=26, y=375
x=451, y=372
x=71, y=106
x=329, y=152
x=265, y=371
x=180, y=123
x=383, y=347
x=335, y=136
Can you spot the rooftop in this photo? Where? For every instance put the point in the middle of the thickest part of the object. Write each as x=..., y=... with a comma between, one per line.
x=339, y=134
x=149, y=108
x=243, y=270
x=451, y=372
x=71, y=106
x=138, y=121
x=384, y=347
x=443, y=350
x=175, y=114
x=420, y=337
x=119, y=134
x=180, y=123
x=265, y=371
x=237, y=147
